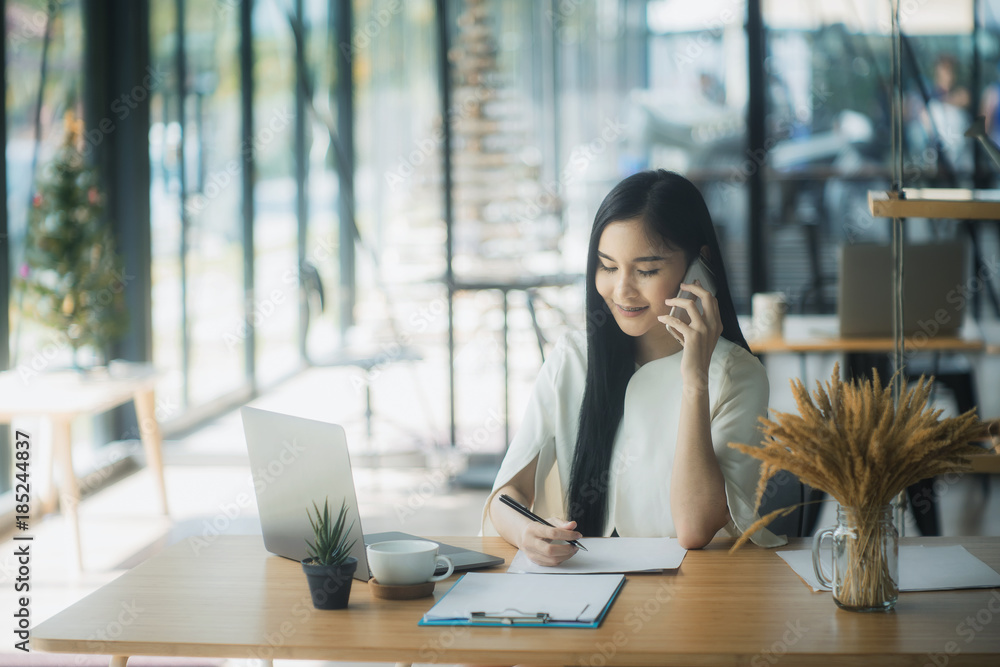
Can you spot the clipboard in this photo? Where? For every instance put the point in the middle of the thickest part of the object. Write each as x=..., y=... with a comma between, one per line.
x=529, y=600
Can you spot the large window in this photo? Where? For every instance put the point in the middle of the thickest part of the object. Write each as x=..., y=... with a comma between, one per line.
x=169, y=341
x=33, y=135
x=829, y=128
x=552, y=103
x=691, y=117
x=321, y=245
x=197, y=162
x=38, y=98
x=276, y=307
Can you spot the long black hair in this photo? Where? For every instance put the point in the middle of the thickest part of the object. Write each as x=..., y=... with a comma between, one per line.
x=672, y=210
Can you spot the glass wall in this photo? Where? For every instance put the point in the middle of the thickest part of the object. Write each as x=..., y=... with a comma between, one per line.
x=196, y=157
x=38, y=99
x=829, y=128
x=213, y=163
x=691, y=117
x=165, y=203
x=552, y=104
x=203, y=321
x=322, y=187
x=33, y=135
x=398, y=135
x=276, y=305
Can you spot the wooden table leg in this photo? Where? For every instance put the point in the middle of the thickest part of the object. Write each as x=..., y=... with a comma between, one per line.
x=118, y=661
x=152, y=440
x=50, y=501
x=69, y=496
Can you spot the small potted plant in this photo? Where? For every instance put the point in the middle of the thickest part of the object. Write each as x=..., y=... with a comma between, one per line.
x=330, y=566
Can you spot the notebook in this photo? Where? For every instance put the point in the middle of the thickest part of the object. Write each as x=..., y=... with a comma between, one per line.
x=295, y=462
x=935, y=289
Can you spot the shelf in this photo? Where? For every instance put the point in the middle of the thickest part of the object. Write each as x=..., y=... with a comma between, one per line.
x=938, y=203
x=985, y=463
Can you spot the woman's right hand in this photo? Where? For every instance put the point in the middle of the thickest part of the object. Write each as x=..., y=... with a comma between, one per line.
x=547, y=545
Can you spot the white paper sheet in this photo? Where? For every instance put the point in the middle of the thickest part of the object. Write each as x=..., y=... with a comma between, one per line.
x=611, y=554
x=564, y=599
x=921, y=568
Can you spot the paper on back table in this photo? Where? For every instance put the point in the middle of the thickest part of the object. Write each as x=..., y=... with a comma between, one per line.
x=611, y=554
x=921, y=568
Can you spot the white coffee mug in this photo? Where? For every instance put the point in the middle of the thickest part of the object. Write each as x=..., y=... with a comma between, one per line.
x=768, y=314
x=405, y=562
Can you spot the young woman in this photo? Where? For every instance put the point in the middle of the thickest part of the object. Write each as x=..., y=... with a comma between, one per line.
x=634, y=417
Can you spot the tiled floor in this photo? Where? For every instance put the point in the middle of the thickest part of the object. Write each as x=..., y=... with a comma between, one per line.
x=401, y=478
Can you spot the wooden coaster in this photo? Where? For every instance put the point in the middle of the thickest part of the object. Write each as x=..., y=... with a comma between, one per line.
x=408, y=592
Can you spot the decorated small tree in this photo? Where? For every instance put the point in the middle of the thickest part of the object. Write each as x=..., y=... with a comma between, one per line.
x=73, y=278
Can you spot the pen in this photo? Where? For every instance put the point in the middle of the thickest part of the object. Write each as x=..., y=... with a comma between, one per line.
x=513, y=504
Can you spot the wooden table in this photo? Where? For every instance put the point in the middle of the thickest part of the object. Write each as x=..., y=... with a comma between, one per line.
x=232, y=599
x=819, y=333
x=62, y=396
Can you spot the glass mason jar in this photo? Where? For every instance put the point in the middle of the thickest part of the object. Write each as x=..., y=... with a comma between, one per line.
x=865, y=559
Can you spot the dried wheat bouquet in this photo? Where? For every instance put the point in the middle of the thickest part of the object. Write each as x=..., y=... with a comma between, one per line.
x=852, y=442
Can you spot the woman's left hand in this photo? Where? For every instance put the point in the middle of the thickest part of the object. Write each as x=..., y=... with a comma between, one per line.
x=699, y=336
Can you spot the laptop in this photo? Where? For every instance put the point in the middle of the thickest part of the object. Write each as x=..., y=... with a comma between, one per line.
x=934, y=289
x=295, y=462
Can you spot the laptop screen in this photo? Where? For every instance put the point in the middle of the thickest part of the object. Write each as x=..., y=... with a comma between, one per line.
x=935, y=289
x=296, y=462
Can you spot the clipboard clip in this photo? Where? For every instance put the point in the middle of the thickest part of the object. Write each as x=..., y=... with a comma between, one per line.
x=509, y=617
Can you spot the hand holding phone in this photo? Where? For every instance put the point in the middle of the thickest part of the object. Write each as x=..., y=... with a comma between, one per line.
x=698, y=270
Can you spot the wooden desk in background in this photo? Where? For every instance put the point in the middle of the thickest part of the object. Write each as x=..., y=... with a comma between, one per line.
x=817, y=334
x=232, y=599
x=62, y=396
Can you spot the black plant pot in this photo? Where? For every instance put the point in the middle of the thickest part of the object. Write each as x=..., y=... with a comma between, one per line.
x=330, y=585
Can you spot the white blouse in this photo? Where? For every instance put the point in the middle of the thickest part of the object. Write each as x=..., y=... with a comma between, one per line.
x=639, y=479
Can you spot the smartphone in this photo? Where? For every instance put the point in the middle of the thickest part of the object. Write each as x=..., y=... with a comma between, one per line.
x=698, y=270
